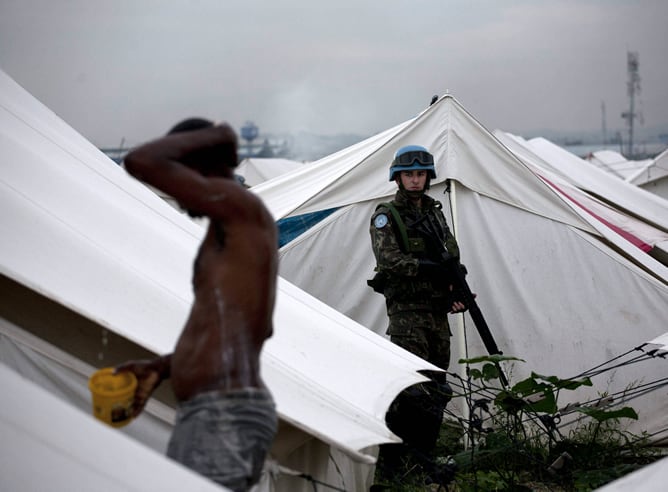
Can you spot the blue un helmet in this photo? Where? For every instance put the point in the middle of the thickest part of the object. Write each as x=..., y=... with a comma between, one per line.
x=412, y=157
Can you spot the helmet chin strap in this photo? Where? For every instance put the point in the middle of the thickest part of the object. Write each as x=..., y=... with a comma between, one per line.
x=414, y=194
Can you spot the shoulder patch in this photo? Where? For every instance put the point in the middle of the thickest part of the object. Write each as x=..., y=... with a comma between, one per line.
x=380, y=221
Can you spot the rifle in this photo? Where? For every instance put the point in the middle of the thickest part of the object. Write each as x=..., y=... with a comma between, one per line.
x=453, y=270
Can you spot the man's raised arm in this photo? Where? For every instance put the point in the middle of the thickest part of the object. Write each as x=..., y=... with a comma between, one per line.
x=179, y=163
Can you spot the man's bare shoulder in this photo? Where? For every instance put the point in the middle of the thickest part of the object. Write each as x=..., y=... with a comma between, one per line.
x=226, y=199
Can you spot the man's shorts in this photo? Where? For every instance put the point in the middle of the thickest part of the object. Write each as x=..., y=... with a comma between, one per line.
x=225, y=436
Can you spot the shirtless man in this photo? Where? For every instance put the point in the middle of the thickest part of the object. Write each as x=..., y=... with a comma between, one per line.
x=226, y=419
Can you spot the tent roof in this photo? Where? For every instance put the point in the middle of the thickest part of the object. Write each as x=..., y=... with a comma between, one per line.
x=604, y=214
x=48, y=444
x=93, y=239
x=256, y=170
x=656, y=170
x=633, y=199
x=353, y=174
x=616, y=164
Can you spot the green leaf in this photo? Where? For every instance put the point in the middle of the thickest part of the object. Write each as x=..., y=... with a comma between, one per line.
x=528, y=386
x=547, y=404
x=475, y=373
x=602, y=415
x=537, y=396
x=509, y=402
x=490, y=371
x=489, y=358
x=569, y=384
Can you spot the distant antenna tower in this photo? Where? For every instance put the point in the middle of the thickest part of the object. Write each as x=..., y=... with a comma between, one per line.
x=633, y=88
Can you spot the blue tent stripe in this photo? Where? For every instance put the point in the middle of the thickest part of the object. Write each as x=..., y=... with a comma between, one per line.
x=290, y=228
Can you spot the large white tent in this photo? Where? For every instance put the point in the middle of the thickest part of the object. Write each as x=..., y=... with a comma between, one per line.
x=559, y=289
x=95, y=266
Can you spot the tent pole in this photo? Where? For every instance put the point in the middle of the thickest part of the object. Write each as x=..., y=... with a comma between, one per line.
x=461, y=338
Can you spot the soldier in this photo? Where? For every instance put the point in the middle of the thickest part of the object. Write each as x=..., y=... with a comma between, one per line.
x=411, y=241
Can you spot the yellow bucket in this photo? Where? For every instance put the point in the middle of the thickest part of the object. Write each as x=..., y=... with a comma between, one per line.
x=112, y=396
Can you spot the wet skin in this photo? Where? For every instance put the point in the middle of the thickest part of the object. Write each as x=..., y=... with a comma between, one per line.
x=234, y=273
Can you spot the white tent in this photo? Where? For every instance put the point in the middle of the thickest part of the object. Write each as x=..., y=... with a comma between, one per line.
x=95, y=265
x=256, y=170
x=616, y=164
x=636, y=201
x=557, y=289
x=650, y=478
x=48, y=443
x=654, y=176
x=617, y=206
x=649, y=174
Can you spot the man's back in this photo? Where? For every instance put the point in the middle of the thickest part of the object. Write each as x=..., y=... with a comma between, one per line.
x=235, y=271
x=234, y=282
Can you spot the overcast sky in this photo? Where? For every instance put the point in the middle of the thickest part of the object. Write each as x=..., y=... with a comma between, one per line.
x=129, y=69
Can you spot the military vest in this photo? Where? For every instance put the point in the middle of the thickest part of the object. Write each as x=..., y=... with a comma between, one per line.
x=421, y=235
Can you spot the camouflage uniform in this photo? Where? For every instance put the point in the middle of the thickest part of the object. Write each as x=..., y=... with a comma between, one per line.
x=417, y=306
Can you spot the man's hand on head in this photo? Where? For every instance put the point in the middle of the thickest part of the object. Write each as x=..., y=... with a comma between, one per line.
x=215, y=148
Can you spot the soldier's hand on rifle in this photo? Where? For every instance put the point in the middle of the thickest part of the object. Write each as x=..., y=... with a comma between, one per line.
x=458, y=306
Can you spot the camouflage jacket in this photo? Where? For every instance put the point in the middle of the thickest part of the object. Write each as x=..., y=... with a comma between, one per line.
x=398, y=259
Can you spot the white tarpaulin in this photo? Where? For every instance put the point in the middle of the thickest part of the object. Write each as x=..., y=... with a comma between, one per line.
x=256, y=170
x=660, y=344
x=558, y=288
x=650, y=478
x=636, y=201
x=48, y=444
x=66, y=377
x=654, y=177
x=604, y=213
x=616, y=164
x=81, y=233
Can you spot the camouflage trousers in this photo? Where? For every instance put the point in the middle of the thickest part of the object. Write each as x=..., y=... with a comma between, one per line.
x=417, y=412
x=423, y=333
